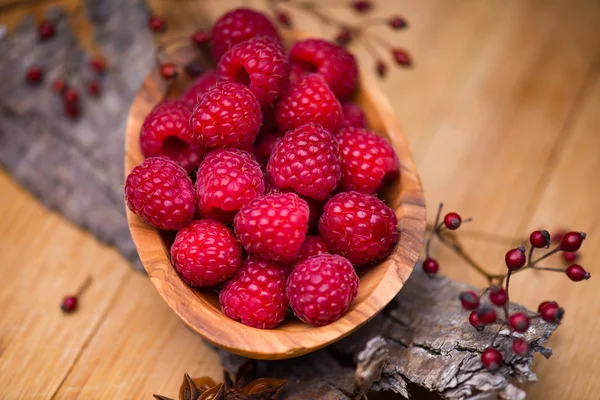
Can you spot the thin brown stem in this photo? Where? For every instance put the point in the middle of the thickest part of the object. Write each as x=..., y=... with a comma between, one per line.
x=84, y=286
x=497, y=334
x=549, y=269
x=548, y=254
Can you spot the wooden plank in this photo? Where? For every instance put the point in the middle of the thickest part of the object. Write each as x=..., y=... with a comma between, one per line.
x=42, y=258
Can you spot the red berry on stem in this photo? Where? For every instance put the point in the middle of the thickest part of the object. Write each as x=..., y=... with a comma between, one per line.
x=98, y=65
x=498, y=295
x=71, y=96
x=475, y=321
x=401, y=57
x=544, y=304
x=572, y=241
x=381, y=68
x=362, y=5
x=491, y=359
x=343, y=37
x=515, y=258
x=540, y=239
x=283, y=18
x=200, y=38
x=431, y=266
x=397, y=22
x=157, y=24
x=519, y=322
x=94, y=88
x=68, y=304
x=520, y=347
x=486, y=314
x=551, y=312
x=570, y=257
x=34, y=74
x=168, y=71
x=59, y=85
x=46, y=29
x=452, y=221
x=576, y=273
x=469, y=300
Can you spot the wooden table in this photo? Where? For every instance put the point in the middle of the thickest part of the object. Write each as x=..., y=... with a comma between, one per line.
x=503, y=113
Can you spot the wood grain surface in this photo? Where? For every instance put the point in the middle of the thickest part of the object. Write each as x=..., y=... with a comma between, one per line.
x=501, y=112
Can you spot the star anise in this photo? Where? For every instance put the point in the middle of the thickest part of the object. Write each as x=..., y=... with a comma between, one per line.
x=245, y=387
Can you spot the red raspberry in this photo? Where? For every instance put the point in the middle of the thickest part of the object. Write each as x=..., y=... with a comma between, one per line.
x=256, y=295
x=309, y=100
x=205, y=253
x=261, y=64
x=314, y=245
x=228, y=115
x=200, y=86
x=368, y=160
x=306, y=160
x=161, y=192
x=273, y=227
x=226, y=181
x=265, y=146
x=353, y=115
x=321, y=289
x=238, y=26
x=331, y=61
x=166, y=132
x=359, y=227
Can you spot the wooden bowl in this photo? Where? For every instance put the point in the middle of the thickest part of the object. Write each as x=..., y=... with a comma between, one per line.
x=378, y=284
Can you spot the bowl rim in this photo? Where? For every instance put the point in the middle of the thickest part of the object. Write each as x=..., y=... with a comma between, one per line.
x=280, y=343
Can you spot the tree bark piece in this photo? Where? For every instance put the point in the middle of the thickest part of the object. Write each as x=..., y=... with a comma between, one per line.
x=427, y=341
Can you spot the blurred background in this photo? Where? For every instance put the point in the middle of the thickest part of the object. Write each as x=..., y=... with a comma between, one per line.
x=500, y=105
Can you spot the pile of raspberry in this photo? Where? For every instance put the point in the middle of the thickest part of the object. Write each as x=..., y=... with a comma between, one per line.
x=268, y=172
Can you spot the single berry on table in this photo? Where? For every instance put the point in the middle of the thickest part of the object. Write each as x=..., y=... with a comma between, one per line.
x=519, y=322
x=498, y=295
x=397, y=22
x=515, y=258
x=313, y=245
x=321, y=289
x=157, y=24
x=381, y=68
x=491, y=359
x=476, y=322
x=572, y=241
x=486, y=314
x=469, y=300
x=576, y=273
x=34, y=75
x=520, y=347
x=540, y=239
x=452, y=221
x=69, y=304
x=283, y=18
x=343, y=37
x=46, y=29
x=401, y=57
x=362, y=6
x=168, y=71
x=205, y=253
x=98, y=65
x=431, y=266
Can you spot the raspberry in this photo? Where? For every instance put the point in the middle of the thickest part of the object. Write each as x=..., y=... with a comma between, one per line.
x=265, y=146
x=331, y=61
x=205, y=253
x=273, y=227
x=256, y=295
x=161, y=192
x=226, y=181
x=359, y=227
x=309, y=100
x=237, y=26
x=353, y=115
x=228, y=115
x=321, y=288
x=368, y=160
x=313, y=245
x=306, y=160
x=166, y=132
x=261, y=64
x=200, y=86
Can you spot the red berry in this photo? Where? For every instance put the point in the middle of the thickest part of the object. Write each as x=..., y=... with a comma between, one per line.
x=469, y=300
x=540, y=239
x=486, y=314
x=519, y=322
x=381, y=68
x=572, y=241
x=261, y=64
x=68, y=304
x=361, y=5
x=205, y=253
x=431, y=266
x=544, y=304
x=161, y=192
x=226, y=181
x=520, y=347
x=227, y=115
x=166, y=132
x=157, y=24
x=284, y=19
x=515, y=258
x=353, y=115
x=34, y=75
x=238, y=26
x=200, y=86
x=97, y=64
x=343, y=37
x=491, y=359
x=321, y=289
x=256, y=295
x=46, y=29
x=359, y=227
x=452, y=221
x=334, y=63
x=570, y=257
x=498, y=295
x=576, y=273
x=551, y=312
x=313, y=245
x=59, y=85
x=265, y=146
x=94, y=88
x=475, y=321
x=368, y=160
x=397, y=22
x=72, y=109
x=306, y=160
x=309, y=100
x=200, y=38
x=168, y=71
x=274, y=226
x=71, y=96
x=401, y=57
